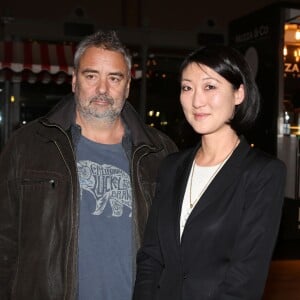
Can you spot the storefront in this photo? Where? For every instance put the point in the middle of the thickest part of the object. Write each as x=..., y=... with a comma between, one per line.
x=33, y=77
x=270, y=40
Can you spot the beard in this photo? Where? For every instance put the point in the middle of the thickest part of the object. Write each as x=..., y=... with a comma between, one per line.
x=89, y=110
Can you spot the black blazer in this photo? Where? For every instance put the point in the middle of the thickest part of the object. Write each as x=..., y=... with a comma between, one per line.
x=227, y=243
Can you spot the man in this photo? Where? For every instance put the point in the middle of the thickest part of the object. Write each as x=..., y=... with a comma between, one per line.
x=76, y=186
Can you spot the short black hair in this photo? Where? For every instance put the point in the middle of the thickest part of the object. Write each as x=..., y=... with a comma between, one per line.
x=231, y=65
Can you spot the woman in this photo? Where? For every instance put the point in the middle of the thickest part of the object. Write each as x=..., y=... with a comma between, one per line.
x=215, y=218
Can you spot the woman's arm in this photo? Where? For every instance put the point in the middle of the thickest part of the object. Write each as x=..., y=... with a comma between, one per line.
x=246, y=276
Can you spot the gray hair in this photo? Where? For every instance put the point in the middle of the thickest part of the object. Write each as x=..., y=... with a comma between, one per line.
x=107, y=40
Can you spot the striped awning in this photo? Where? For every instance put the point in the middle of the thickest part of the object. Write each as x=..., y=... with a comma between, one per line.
x=32, y=61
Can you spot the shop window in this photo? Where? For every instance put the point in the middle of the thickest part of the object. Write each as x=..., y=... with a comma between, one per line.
x=162, y=107
x=37, y=99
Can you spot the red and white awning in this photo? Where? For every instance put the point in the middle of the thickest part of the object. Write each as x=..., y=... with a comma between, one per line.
x=25, y=61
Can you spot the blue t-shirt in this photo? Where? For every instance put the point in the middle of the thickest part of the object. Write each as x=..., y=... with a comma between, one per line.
x=105, y=227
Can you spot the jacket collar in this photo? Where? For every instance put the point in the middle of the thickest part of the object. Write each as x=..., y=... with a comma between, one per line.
x=63, y=115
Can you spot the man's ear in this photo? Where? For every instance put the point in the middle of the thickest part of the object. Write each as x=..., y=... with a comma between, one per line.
x=127, y=88
x=73, y=81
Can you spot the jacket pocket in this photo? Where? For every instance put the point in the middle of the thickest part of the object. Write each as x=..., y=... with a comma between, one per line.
x=44, y=219
x=43, y=181
x=37, y=186
x=43, y=197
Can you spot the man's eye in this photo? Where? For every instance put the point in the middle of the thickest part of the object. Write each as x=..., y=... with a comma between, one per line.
x=90, y=76
x=115, y=79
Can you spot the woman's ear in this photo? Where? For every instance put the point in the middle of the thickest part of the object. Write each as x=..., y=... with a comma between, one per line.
x=239, y=95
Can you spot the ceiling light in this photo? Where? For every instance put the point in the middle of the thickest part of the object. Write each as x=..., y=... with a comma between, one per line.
x=297, y=35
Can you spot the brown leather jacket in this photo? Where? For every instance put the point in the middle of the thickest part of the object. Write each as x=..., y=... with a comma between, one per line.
x=39, y=201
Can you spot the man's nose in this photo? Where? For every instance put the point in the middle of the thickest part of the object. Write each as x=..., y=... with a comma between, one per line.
x=102, y=86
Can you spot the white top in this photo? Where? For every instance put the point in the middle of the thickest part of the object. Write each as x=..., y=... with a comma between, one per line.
x=201, y=179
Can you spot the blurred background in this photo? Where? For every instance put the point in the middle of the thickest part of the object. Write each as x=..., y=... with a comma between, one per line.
x=38, y=40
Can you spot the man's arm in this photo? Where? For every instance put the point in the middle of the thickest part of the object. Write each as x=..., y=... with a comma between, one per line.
x=8, y=221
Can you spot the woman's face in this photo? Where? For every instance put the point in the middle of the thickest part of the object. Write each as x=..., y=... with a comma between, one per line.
x=208, y=99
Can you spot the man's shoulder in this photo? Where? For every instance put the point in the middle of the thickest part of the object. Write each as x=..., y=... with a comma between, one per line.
x=26, y=129
x=162, y=138
x=158, y=133
x=25, y=132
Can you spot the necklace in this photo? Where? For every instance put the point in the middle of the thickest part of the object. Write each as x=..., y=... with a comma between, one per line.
x=192, y=203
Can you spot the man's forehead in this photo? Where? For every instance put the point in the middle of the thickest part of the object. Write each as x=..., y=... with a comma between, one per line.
x=94, y=58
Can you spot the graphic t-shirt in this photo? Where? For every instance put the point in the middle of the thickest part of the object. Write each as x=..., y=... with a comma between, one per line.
x=105, y=227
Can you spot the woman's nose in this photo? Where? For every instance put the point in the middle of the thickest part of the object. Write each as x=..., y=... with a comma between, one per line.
x=198, y=99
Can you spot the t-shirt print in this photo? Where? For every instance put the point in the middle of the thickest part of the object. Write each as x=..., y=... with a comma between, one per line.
x=108, y=185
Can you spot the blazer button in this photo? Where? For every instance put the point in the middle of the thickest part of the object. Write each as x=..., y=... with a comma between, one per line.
x=185, y=276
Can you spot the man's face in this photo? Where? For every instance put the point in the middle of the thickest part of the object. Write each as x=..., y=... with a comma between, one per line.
x=101, y=84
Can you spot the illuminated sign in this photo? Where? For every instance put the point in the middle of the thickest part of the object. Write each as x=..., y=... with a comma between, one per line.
x=255, y=34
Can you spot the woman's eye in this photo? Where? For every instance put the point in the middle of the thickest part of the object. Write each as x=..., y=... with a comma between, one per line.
x=185, y=88
x=210, y=87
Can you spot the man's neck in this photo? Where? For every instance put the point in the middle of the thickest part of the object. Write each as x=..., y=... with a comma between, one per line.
x=102, y=132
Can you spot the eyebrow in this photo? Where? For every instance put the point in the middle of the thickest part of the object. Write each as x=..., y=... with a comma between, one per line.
x=120, y=74
x=211, y=78
x=203, y=79
x=89, y=71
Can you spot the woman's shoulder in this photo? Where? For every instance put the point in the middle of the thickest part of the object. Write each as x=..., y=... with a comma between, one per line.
x=177, y=161
x=260, y=160
x=261, y=156
x=181, y=155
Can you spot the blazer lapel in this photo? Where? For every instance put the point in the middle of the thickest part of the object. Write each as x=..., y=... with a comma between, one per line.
x=228, y=174
x=180, y=182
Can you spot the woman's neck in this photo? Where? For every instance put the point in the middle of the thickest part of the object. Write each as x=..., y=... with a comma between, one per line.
x=214, y=151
